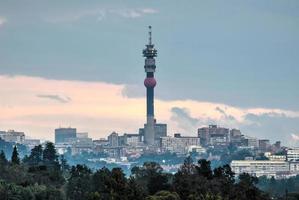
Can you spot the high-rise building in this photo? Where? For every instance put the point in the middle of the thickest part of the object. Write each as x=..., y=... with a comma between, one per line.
x=150, y=53
x=65, y=135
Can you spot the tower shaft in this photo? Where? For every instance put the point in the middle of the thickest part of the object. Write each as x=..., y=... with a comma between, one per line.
x=150, y=53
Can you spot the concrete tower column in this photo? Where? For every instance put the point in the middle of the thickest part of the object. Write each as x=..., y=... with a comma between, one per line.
x=150, y=53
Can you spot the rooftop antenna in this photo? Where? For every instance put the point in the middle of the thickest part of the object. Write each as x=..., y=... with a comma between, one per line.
x=150, y=35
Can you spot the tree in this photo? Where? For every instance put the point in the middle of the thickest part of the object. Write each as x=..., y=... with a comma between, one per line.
x=119, y=186
x=164, y=195
x=246, y=189
x=183, y=179
x=50, y=156
x=36, y=156
x=135, y=191
x=204, y=168
x=15, y=156
x=79, y=184
x=150, y=177
x=3, y=160
x=63, y=162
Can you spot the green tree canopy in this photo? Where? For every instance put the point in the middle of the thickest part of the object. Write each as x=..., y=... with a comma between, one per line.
x=15, y=156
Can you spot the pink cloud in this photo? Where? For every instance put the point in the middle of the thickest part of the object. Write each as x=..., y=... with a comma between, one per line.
x=96, y=107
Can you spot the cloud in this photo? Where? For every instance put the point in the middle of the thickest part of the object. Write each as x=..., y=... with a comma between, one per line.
x=149, y=11
x=134, y=13
x=100, y=14
x=133, y=91
x=225, y=116
x=2, y=21
x=276, y=126
x=183, y=118
x=295, y=137
x=58, y=98
x=100, y=108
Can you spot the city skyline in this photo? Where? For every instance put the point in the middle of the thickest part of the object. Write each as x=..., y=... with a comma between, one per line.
x=74, y=79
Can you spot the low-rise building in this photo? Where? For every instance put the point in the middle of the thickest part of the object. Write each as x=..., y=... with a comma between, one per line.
x=213, y=136
x=178, y=144
x=269, y=168
x=293, y=154
x=270, y=156
x=251, y=142
x=131, y=139
x=12, y=136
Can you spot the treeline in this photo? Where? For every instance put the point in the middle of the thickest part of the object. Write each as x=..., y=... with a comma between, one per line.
x=280, y=188
x=45, y=175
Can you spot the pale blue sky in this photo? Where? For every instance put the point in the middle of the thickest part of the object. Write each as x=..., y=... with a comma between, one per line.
x=240, y=53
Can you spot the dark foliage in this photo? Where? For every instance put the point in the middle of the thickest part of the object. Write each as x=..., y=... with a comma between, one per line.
x=15, y=156
x=43, y=175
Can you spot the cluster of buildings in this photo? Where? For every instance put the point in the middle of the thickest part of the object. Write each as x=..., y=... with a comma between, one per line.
x=68, y=139
x=19, y=138
x=277, y=166
x=153, y=138
x=219, y=137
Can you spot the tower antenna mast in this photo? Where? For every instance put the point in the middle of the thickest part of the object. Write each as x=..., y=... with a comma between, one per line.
x=150, y=34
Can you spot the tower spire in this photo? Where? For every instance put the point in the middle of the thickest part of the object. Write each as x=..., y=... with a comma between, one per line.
x=150, y=35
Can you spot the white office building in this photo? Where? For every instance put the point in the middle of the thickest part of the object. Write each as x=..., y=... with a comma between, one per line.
x=269, y=168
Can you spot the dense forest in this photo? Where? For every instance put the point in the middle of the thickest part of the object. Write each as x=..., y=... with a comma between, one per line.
x=44, y=175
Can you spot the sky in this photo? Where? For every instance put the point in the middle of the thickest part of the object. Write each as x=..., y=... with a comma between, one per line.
x=78, y=63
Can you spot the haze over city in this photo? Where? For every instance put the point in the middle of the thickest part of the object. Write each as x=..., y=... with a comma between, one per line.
x=80, y=65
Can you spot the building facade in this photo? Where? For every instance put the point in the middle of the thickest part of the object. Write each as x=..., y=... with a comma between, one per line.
x=213, y=136
x=12, y=136
x=178, y=144
x=64, y=135
x=293, y=154
x=113, y=140
x=269, y=168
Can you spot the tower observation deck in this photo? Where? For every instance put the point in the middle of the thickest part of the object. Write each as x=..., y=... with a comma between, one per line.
x=149, y=82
